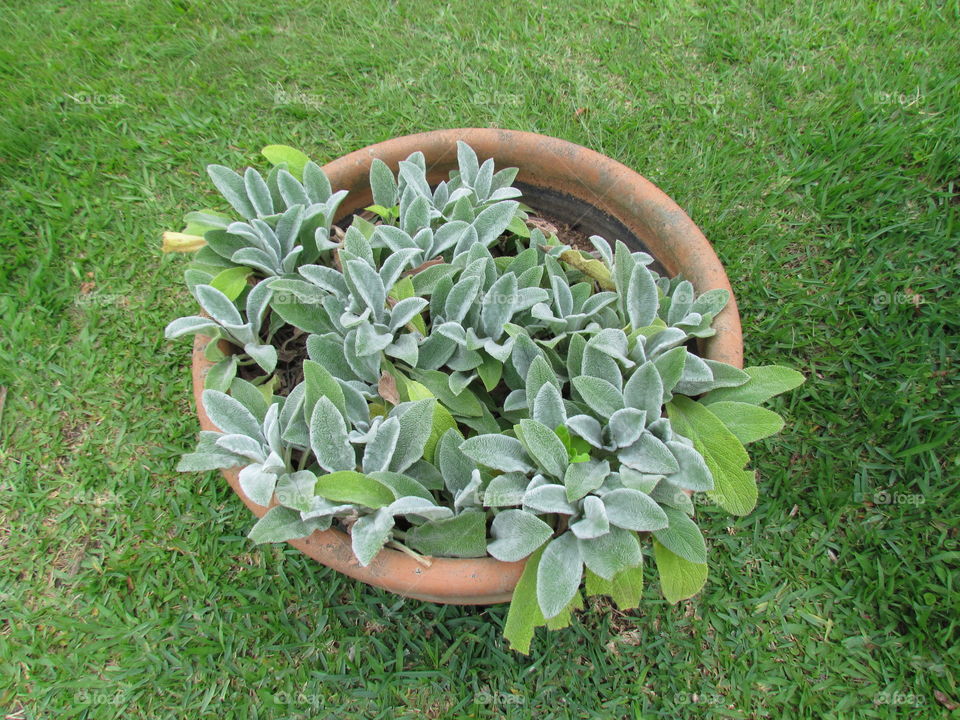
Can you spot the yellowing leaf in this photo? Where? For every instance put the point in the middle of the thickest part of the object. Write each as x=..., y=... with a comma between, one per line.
x=294, y=159
x=181, y=242
x=735, y=489
x=679, y=578
x=590, y=267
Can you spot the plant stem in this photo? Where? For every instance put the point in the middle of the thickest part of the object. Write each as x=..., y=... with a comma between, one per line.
x=425, y=561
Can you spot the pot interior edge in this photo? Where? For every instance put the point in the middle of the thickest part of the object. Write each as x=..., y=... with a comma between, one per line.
x=583, y=217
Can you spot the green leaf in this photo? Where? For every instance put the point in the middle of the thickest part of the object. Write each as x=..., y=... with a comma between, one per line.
x=524, y=614
x=610, y=554
x=562, y=620
x=490, y=372
x=544, y=447
x=221, y=375
x=294, y=159
x=328, y=437
x=748, y=422
x=348, y=486
x=403, y=486
x=670, y=367
x=310, y=318
x=735, y=489
x=229, y=415
x=462, y=536
x=442, y=421
x=518, y=227
x=559, y=574
x=602, y=396
x=517, y=534
x=765, y=382
x=465, y=403
x=280, y=524
x=498, y=452
x=232, y=281
x=628, y=587
x=320, y=383
x=584, y=477
x=625, y=589
x=634, y=510
x=679, y=578
x=296, y=490
x=369, y=534
x=416, y=426
x=682, y=537
x=594, y=269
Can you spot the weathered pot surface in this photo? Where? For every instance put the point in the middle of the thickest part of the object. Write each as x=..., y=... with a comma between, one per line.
x=607, y=197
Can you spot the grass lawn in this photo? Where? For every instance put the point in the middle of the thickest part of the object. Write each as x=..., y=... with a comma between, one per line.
x=816, y=145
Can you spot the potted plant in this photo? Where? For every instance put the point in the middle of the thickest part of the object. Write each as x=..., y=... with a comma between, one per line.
x=424, y=383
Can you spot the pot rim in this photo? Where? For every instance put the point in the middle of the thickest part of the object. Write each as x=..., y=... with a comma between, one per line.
x=544, y=162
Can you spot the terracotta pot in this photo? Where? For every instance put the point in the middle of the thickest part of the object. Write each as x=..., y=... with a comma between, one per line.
x=575, y=185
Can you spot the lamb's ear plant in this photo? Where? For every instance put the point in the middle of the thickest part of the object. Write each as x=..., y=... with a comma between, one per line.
x=461, y=385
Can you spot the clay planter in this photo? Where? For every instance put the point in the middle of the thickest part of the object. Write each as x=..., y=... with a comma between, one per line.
x=572, y=184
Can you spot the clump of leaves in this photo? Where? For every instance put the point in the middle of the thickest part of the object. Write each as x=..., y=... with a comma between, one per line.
x=470, y=386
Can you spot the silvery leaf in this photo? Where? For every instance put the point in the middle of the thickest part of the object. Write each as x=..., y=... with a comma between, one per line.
x=218, y=306
x=548, y=498
x=594, y=522
x=602, y=397
x=644, y=390
x=505, y=490
x=242, y=445
x=229, y=415
x=584, y=477
x=693, y=473
x=379, y=450
x=588, y=428
x=558, y=575
x=416, y=422
x=498, y=452
x=609, y=554
x=231, y=186
x=296, y=490
x=649, y=455
x=257, y=484
x=420, y=507
x=548, y=406
x=328, y=438
x=634, y=510
x=516, y=534
x=626, y=426
x=369, y=534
